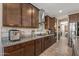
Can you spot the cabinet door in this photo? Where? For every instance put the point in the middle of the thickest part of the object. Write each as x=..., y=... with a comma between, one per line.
x=29, y=48
x=35, y=17
x=11, y=14
x=77, y=17
x=14, y=50
x=42, y=44
x=38, y=47
x=46, y=42
x=53, y=23
x=26, y=15
x=72, y=18
x=19, y=52
x=46, y=22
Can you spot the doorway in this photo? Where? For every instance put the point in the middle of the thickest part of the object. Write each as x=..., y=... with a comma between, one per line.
x=64, y=28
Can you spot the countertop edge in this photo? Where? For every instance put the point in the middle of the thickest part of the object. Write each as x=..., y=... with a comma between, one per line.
x=24, y=40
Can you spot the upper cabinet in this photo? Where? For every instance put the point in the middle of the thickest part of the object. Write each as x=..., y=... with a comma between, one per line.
x=11, y=14
x=74, y=17
x=49, y=22
x=35, y=17
x=23, y=15
x=26, y=15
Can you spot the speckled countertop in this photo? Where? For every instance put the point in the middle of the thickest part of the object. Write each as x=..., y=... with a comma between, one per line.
x=6, y=42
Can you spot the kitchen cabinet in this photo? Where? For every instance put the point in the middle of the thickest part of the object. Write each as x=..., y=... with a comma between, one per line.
x=50, y=22
x=77, y=17
x=50, y=40
x=23, y=49
x=46, y=42
x=18, y=52
x=20, y=15
x=11, y=50
x=74, y=18
x=35, y=17
x=53, y=20
x=53, y=39
x=38, y=48
x=12, y=14
x=29, y=48
x=42, y=44
x=30, y=16
x=26, y=15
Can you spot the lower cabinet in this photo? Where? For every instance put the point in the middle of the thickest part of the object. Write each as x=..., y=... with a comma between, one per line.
x=23, y=49
x=42, y=44
x=50, y=40
x=12, y=50
x=46, y=42
x=30, y=48
x=38, y=45
x=18, y=52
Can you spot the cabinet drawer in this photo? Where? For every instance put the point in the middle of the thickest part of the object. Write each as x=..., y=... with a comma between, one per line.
x=11, y=48
x=18, y=52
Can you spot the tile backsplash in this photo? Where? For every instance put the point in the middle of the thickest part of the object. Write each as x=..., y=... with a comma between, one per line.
x=26, y=31
x=5, y=31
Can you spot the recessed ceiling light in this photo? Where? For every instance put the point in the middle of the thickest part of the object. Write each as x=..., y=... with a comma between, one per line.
x=60, y=11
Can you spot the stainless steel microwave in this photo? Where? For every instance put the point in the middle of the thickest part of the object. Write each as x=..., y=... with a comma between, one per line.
x=14, y=35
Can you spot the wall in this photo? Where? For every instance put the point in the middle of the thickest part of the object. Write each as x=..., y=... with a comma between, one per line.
x=0, y=29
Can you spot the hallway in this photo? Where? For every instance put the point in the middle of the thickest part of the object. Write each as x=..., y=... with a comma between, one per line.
x=60, y=48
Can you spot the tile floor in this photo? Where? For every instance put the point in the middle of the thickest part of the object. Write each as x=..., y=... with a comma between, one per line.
x=60, y=48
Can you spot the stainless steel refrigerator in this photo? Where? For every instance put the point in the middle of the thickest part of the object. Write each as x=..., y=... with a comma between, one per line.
x=72, y=33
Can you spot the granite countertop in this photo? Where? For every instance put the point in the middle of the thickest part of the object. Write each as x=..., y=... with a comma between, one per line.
x=6, y=42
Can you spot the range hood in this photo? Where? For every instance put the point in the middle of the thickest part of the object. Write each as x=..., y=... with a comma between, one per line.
x=41, y=20
x=41, y=16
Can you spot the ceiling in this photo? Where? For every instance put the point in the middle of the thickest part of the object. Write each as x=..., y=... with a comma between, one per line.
x=52, y=9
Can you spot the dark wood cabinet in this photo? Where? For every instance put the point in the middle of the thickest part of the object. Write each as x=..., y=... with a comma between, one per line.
x=46, y=42
x=23, y=49
x=38, y=45
x=10, y=50
x=50, y=40
x=26, y=15
x=53, y=39
x=30, y=16
x=35, y=17
x=47, y=22
x=53, y=20
x=12, y=14
x=50, y=22
x=43, y=44
x=20, y=15
x=18, y=52
x=29, y=48
x=74, y=18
